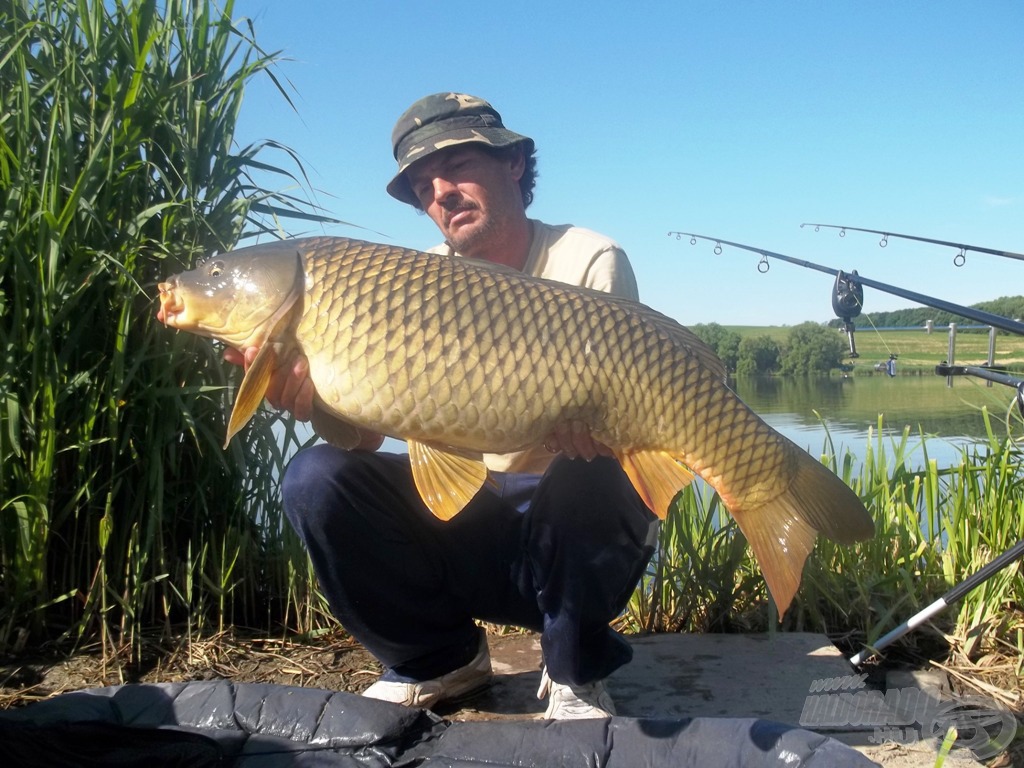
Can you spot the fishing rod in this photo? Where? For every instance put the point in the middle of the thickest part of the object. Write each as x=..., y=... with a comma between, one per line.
x=958, y=260
x=978, y=315
x=1009, y=556
x=945, y=369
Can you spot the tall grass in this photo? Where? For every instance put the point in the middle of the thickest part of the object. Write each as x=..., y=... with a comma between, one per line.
x=934, y=527
x=118, y=166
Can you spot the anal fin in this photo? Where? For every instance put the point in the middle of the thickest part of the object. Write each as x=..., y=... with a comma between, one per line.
x=657, y=476
x=446, y=480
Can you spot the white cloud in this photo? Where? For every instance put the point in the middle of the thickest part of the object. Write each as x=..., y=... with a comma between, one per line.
x=993, y=201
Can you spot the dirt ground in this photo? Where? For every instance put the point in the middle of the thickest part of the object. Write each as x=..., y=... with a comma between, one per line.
x=333, y=661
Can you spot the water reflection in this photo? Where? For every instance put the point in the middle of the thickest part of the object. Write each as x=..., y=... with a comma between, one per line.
x=950, y=416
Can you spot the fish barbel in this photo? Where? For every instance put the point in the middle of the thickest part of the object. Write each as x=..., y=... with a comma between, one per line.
x=460, y=357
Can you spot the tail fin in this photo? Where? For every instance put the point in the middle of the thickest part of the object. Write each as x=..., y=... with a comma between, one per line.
x=782, y=532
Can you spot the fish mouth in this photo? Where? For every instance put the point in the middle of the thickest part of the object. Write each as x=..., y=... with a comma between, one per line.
x=171, y=304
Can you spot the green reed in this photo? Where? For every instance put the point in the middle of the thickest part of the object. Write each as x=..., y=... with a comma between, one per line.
x=700, y=577
x=934, y=527
x=118, y=166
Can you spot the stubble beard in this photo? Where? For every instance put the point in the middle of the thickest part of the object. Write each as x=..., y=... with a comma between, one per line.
x=470, y=240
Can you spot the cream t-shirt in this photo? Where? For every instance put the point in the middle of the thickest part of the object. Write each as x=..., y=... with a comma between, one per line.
x=576, y=256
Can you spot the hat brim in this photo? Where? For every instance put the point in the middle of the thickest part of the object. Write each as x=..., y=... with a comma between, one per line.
x=498, y=138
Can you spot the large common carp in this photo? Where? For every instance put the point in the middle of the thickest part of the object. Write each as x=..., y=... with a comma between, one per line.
x=460, y=357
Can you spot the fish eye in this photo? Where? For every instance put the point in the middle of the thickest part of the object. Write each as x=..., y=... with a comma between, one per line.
x=215, y=269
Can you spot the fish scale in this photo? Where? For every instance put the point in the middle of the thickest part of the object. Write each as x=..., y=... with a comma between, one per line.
x=460, y=358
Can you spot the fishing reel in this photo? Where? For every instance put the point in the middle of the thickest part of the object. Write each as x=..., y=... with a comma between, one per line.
x=847, y=302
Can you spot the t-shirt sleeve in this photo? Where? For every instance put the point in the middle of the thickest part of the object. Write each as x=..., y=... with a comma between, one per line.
x=611, y=272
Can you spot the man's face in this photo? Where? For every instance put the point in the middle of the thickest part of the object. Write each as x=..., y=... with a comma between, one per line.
x=469, y=194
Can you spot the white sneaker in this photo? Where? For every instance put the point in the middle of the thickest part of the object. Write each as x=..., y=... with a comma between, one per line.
x=575, y=702
x=460, y=682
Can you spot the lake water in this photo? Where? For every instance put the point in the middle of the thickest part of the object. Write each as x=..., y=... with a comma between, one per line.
x=949, y=416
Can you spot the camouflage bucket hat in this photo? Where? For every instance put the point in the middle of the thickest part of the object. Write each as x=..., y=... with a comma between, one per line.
x=440, y=121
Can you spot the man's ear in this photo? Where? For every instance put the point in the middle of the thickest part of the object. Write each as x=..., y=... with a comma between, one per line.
x=517, y=161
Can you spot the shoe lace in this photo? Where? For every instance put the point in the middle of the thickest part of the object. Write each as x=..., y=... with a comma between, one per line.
x=545, y=684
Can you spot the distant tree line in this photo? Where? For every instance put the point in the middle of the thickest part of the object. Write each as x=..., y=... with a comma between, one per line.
x=808, y=348
x=1011, y=307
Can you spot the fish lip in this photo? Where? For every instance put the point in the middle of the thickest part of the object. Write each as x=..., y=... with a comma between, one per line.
x=170, y=303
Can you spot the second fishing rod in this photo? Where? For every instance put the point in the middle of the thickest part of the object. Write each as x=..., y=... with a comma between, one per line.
x=853, y=278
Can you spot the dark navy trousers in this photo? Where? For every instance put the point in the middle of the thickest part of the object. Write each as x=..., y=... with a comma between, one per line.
x=559, y=553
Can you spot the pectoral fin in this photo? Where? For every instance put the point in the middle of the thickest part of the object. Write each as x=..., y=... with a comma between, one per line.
x=446, y=481
x=334, y=429
x=657, y=476
x=252, y=389
x=257, y=378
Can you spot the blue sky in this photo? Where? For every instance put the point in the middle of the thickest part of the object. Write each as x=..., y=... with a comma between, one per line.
x=736, y=119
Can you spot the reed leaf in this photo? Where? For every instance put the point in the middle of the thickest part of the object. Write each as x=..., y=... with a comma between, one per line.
x=118, y=165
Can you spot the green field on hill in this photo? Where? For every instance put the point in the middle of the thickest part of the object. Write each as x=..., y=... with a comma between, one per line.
x=916, y=350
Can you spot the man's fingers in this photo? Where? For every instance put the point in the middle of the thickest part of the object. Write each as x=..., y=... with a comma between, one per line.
x=233, y=356
x=574, y=440
x=582, y=443
x=563, y=440
x=297, y=393
x=250, y=356
x=302, y=408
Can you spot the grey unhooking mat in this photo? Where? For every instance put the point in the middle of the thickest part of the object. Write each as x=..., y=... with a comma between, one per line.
x=217, y=723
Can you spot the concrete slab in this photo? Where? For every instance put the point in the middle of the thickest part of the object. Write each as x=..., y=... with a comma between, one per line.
x=774, y=677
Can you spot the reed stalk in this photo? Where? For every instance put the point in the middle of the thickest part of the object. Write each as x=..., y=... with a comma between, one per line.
x=118, y=166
